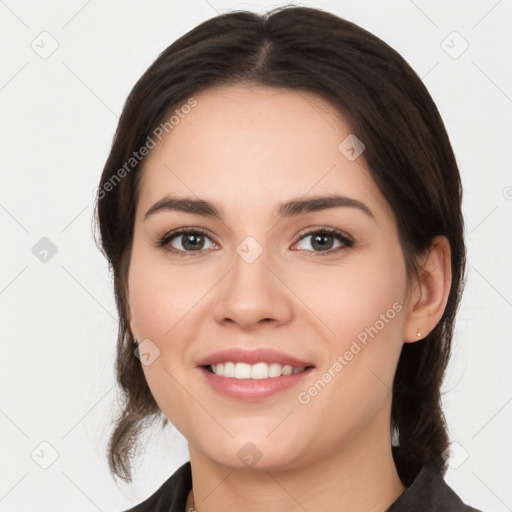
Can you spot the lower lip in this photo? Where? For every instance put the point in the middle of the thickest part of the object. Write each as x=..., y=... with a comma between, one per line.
x=252, y=389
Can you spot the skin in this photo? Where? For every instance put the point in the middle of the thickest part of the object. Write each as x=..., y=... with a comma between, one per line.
x=248, y=149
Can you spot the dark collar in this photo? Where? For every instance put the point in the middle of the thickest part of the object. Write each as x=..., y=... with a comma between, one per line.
x=171, y=496
x=428, y=492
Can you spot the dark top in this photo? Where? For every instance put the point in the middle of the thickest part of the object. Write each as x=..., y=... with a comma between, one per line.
x=428, y=492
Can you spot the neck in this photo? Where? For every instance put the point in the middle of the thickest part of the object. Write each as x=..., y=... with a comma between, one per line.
x=361, y=476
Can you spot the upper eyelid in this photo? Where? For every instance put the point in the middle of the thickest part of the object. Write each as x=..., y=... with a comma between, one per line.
x=331, y=231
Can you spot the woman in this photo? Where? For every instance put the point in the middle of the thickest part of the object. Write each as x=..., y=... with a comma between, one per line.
x=281, y=209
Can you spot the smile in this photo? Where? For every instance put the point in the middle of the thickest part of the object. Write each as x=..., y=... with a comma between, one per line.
x=253, y=371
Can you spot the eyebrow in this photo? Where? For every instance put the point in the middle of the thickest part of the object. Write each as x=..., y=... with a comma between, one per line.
x=293, y=207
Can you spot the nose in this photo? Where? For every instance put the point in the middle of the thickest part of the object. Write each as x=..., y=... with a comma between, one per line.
x=253, y=294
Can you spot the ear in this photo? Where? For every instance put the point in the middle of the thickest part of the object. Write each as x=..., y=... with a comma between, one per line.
x=427, y=300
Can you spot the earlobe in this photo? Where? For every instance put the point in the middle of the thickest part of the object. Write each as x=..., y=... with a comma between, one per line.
x=428, y=301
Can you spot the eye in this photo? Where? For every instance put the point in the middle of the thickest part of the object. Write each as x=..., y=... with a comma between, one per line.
x=183, y=241
x=322, y=240
x=186, y=241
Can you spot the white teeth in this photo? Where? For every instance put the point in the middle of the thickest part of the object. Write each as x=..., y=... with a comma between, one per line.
x=287, y=369
x=274, y=370
x=242, y=371
x=228, y=369
x=259, y=371
x=254, y=371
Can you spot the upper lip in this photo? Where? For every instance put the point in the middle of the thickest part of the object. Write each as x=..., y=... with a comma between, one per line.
x=265, y=355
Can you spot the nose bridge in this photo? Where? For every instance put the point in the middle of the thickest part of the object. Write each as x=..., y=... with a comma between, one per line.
x=251, y=292
x=250, y=280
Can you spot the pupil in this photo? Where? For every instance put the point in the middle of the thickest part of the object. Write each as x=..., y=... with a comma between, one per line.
x=321, y=246
x=189, y=243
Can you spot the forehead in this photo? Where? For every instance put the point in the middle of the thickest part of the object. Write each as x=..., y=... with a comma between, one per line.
x=251, y=146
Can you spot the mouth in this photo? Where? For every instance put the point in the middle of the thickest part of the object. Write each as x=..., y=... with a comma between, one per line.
x=251, y=383
x=252, y=375
x=258, y=371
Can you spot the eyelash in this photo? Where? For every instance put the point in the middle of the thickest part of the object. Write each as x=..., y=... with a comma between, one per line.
x=345, y=239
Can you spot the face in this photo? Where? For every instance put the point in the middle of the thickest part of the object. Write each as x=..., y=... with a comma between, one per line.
x=323, y=290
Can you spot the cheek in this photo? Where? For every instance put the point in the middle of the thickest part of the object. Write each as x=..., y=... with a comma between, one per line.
x=162, y=307
x=162, y=300
x=363, y=308
x=350, y=298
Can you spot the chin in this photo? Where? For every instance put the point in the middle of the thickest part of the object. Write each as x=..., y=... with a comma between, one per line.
x=253, y=453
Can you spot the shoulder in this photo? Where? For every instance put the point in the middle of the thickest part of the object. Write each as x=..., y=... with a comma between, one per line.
x=430, y=493
x=171, y=496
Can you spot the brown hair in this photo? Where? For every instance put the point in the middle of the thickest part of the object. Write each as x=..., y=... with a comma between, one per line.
x=408, y=153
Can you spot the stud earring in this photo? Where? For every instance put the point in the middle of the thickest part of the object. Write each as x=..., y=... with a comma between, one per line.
x=418, y=333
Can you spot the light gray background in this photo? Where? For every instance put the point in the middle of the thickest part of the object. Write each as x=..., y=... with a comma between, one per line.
x=58, y=322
